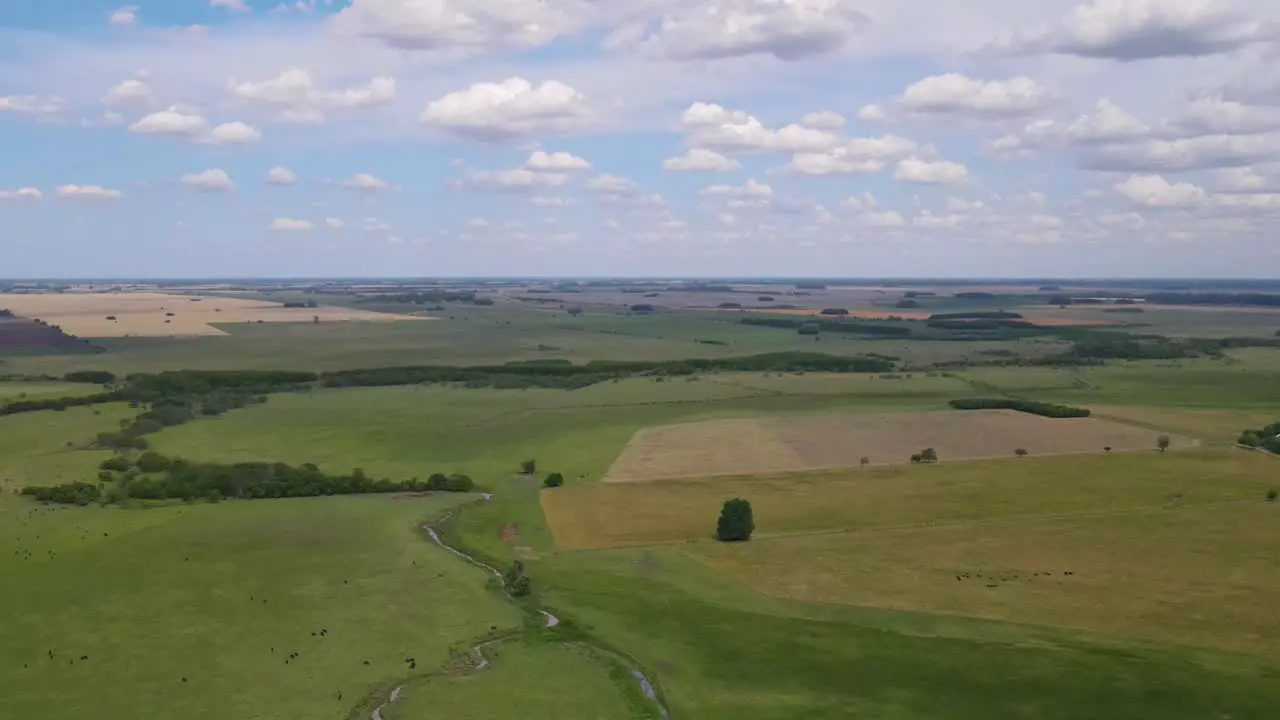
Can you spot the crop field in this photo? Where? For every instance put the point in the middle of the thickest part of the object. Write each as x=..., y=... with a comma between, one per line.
x=603, y=515
x=150, y=314
x=754, y=446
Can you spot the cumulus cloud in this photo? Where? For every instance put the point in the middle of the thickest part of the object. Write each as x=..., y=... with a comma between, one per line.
x=790, y=30
x=281, y=176
x=170, y=122
x=475, y=24
x=701, y=160
x=1128, y=30
x=334, y=223
x=1212, y=115
x=26, y=193
x=1154, y=155
x=234, y=133
x=509, y=109
x=1108, y=123
x=615, y=185
x=514, y=180
x=128, y=91
x=366, y=182
x=290, y=224
x=871, y=113
x=303, y=100
x=233, y=5
x=556, y=162
x=711, y=126
x=124, y=17
x=1242, y=179
x=938, y=172
x=1155, y=192
x=213, y=180
x=959, y=95
x=90, y=192
x=823, y=120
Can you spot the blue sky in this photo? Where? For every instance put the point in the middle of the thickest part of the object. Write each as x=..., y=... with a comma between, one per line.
x=640, y=137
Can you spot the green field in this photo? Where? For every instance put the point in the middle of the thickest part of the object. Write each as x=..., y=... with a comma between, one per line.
x=844, y=605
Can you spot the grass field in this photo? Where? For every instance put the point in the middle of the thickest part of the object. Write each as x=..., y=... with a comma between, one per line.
x=11, y=391
x=844, y=605
x=605, y=515
x=526, y=681
x=817, y=442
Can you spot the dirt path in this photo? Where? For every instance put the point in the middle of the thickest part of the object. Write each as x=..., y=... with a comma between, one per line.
x=552, y=621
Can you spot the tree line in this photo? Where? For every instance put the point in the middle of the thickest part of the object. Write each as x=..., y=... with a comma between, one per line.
x=1027, y=406
x=1267, y=438
x=156, y=477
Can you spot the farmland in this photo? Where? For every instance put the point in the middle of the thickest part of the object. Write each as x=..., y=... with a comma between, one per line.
x=1072, y=582
x=151, y=314
x=815, y=442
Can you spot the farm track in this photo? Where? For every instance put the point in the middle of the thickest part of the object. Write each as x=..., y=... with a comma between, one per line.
x=482, y=662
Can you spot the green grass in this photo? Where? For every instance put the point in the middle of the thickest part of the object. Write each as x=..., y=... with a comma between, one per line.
x=527, y=680
x=11, y=391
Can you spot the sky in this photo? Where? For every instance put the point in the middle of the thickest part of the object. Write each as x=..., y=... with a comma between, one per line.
x=850, y=138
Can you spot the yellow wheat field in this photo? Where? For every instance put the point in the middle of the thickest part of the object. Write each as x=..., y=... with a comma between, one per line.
x=154, y=314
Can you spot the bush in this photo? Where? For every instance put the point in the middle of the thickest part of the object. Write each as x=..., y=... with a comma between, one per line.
x=929, y=455
x=736, y=522
x=1020, y=452
x=118, y=463
x=1162, y=442
x=516, y=580
x=553, y=480
x=153, y=462
x=1272, y=494
x=529, y=467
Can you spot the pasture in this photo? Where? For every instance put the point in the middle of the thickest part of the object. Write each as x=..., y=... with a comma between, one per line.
x=796, y=443
x=604, y=515
x=153, y=314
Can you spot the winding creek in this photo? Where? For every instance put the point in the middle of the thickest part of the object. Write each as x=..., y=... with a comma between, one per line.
x=483, y=662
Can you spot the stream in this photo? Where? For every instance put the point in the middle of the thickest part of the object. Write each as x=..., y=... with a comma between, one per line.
x=645, y=685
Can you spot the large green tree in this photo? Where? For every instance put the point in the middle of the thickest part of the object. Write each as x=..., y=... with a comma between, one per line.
x=736, y=522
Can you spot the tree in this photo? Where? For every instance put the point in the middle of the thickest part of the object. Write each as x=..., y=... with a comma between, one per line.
x=736, y=522
x=1107, y=448
x=1249, y=438
x=1020, y=452
x=529, y=467
x=553, y=480
x=115, y=462
x=864, y=461
x=575, y=310
x=916, y=458
x=1272, y=494
x=1162, y=442
x=929, y=455
x=516, y=580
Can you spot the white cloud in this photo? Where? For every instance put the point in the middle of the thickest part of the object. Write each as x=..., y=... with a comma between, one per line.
x=233, y=5
x=939, y=172
x=871, y=113
x=835, y=161
x=956, y=94
x=1216, y=116
x=302, y=101
x=334, y=223
x=1129, y=30
x=290, y=224
x=556, y=162
x=1156, y=192
x=701, y=160
x=365, y=182
x=478, y=24
x=1241, y=179
x=711, y=126
x=26, y=193
x=373, y=224
x=128, y=91
x=1108, y=123
x=125, y=16
x=279, y=175
x=616, y=185
x=91, y=192
x=885, y=219
x=823, y=120
x=514, y=180
x=170, y=122
x=213, y=180
x=508, y=109
x=1151, y=155
x=960, y=205
x=544, y=201
x=788, y=30
x=234, y=133
x=749, y=189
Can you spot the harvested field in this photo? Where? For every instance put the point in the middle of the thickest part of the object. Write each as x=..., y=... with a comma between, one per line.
x=798, y=443
x=153, y=314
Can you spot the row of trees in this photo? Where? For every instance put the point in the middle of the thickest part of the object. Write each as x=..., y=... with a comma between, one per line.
x=1027, y=406
x=156, y=477
x=1266, y=438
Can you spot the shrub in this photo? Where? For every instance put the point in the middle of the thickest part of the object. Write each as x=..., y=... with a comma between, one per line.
x=553, y=480
x=736, y=522
x=1020, y=452
x=516, y=580
x=1272, y=494
x=929, y=455
x=152, y=462
x=529, y=467
x=915, y=457
x=119, y=463
x=1162, y=442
